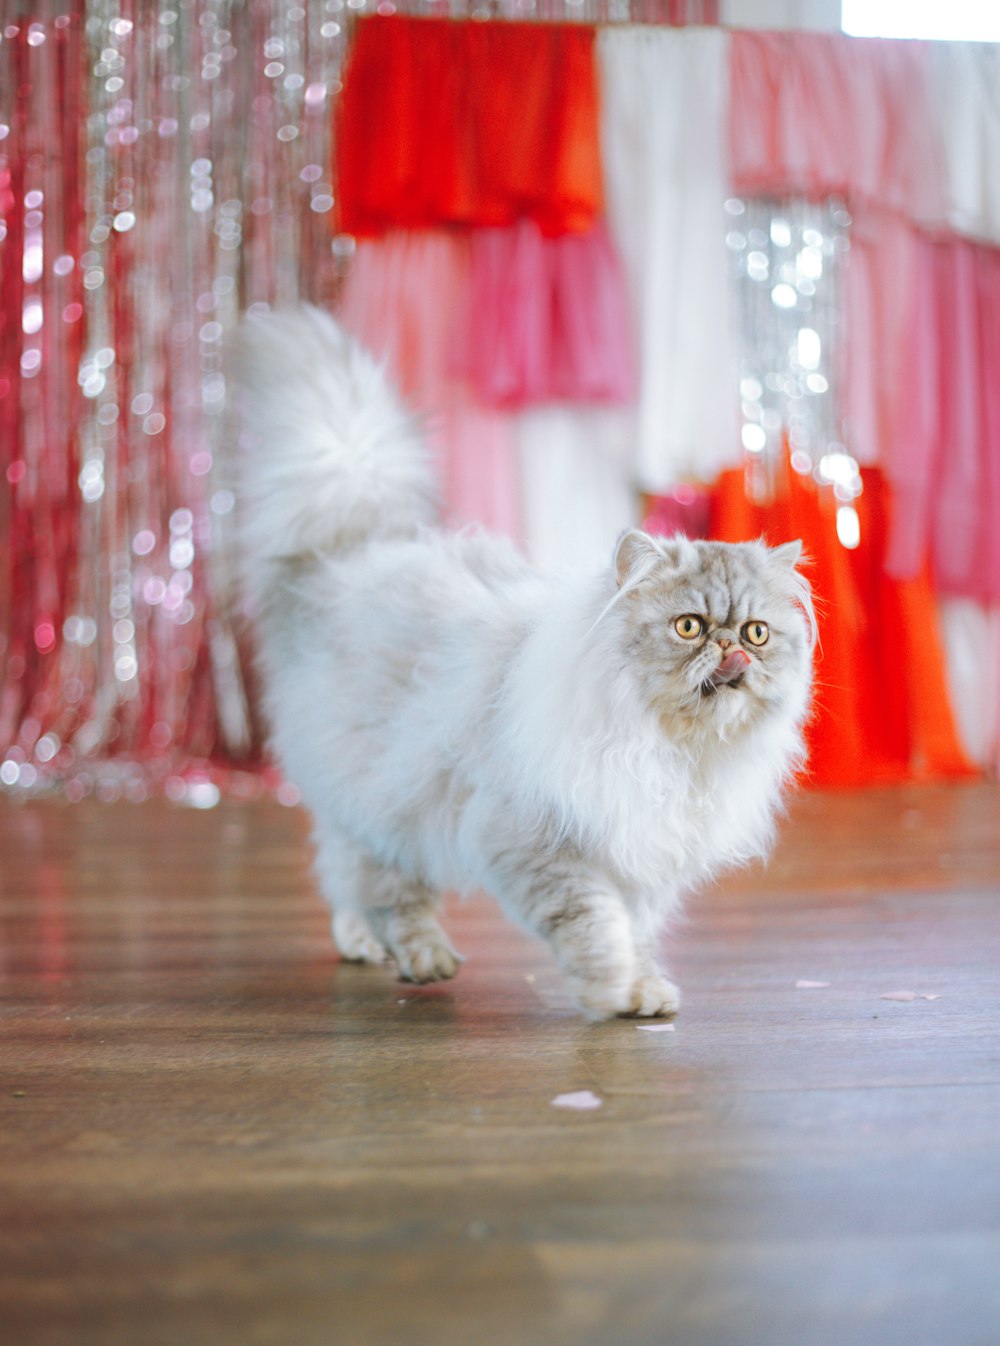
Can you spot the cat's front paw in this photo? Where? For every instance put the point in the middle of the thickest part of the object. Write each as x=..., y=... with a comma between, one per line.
x=653, y=997
x=601, y=999
x=649, y=996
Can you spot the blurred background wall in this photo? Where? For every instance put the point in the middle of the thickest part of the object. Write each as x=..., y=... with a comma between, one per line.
x=632, y=265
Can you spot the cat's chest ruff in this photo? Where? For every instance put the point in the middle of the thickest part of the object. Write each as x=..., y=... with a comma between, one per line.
x=710, y=805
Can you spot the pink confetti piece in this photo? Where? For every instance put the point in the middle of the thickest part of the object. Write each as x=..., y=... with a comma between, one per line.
x=803, y=985
x=656, y=1028
x=582, y=1100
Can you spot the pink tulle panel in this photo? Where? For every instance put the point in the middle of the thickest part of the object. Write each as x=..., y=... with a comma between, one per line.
x=547, y=319
x=822, y=114
x=686, y=510
x=404, y=297
x=944, y=459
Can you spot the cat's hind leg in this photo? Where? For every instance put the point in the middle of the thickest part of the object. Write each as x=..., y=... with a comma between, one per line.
x=355, y=939
x=378, y=910
x=340, y=872
x=402, y=916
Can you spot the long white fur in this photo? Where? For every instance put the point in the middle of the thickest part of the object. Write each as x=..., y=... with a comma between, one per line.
x=456, y=720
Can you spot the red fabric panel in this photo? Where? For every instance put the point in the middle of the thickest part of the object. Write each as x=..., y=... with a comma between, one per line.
x=882, y=712
x=442, y=122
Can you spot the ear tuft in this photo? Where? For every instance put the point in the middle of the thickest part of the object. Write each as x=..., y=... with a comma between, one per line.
x=788, y=554
x=635, y=555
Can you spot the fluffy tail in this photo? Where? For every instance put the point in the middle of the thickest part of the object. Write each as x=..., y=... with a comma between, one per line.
x=332, y=458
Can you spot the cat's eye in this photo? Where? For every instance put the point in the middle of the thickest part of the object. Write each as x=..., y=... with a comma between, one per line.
x=689, y=626
x=756, y=632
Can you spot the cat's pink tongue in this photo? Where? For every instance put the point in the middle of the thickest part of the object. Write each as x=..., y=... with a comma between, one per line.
x=735, y=663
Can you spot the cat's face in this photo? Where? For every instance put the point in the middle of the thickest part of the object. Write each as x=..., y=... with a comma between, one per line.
x=718, y=634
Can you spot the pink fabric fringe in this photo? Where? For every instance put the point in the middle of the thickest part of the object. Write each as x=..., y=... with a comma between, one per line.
x=402, y=299
x=547, y=319
x=686, y=510
x=944, y=459
x=820, y=114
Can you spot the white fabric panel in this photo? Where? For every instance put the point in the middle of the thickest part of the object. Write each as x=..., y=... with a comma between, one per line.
x=971, y=638
x=664, y=98
x=575, y=473
x=965, y=93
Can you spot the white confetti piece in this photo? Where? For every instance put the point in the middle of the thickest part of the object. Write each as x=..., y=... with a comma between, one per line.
x=803, y=985
x=907, y=996
x=582, y=1100
x=656, y=1028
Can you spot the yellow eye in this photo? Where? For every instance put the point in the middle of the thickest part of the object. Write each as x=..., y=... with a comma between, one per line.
x=689, y=626
x=756, y=633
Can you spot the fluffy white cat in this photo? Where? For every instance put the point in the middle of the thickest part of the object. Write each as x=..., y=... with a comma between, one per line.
x=582, y=746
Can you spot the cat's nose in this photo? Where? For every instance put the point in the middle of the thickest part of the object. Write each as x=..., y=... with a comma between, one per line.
x=723, y=643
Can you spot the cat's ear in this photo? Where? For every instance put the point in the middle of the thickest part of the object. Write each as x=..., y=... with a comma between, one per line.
x=788, y=554
x=635, y=555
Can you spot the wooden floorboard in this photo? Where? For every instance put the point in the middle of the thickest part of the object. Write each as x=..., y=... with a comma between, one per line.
x=213, y=1134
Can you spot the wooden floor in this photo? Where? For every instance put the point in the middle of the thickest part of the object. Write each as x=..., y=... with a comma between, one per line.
x=212, y=1134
